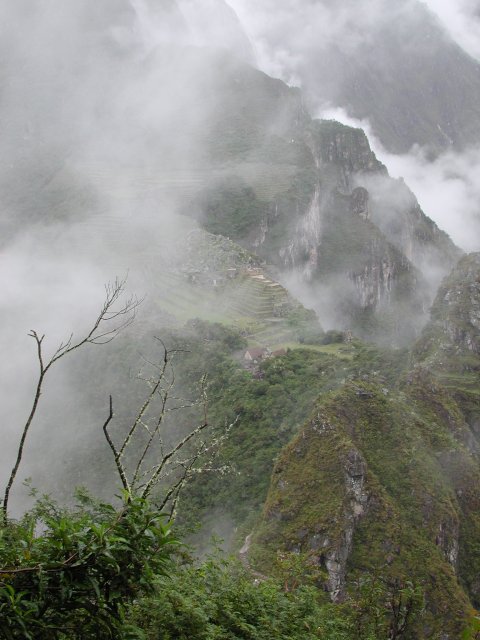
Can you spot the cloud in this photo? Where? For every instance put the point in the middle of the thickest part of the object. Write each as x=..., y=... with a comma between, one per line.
x=447, y=188
x=292, y=40
x=210, y=23
x=286, y=33
x=461, y=18
x=104, y=108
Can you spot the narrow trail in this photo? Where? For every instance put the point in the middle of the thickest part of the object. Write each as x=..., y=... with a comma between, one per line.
x=243, y=555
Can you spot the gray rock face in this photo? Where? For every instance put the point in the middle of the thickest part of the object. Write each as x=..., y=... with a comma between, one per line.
x=448, y=540
x=348, y=164
x=377, y=279
x=359, y=202
x=356, y=506
x=364, y=237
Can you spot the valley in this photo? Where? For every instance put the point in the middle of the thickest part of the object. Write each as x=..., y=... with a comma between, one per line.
x=278, y=434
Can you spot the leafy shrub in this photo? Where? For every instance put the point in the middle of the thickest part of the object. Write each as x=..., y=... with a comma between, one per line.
x=220, y=600
x=70, y=573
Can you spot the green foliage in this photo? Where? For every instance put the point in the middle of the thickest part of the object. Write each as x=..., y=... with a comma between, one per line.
x=386, y=608
x=70, y=573
x=268, y=407
x=225, y=337
x=221, y=601
x=407, y=448
x=419, y=480
x=388, y=365
x=268, y=410
x=473, y=630
x=333, y=337
x=301, y=317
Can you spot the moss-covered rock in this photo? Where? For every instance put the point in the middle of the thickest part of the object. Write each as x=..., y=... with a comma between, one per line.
x=370, y=485
x=384, y=477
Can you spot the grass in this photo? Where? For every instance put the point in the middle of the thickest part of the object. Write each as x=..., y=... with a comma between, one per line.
x=342, y=351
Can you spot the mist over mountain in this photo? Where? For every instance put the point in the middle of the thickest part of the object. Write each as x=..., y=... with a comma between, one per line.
x=119, y=120
x=395, y=65
x=278, y=183
x=461, y=20
x=405, y=73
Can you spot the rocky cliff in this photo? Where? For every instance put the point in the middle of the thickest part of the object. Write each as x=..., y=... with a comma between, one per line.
x=449, y=346
x=384, y=478
x=312, y=199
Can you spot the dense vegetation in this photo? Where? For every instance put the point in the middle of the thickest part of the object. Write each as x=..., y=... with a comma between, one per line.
x=97, y=572
x=351, y=469
x=71, y=573
x=219, y=599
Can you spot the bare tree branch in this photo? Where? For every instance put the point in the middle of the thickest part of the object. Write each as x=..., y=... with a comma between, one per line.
x=143, y=410
x=159, y=421
x=158, y=470
x=118, y=463
x=159, y=403
x=96, y=335
x=26, y=428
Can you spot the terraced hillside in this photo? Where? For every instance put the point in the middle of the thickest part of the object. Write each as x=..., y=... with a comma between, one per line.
x=230, y=287
x=185, y=273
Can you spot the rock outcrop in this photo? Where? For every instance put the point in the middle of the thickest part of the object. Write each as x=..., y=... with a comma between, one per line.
x=455, y=324
x=386, y=478
x=372, y=483
x=313, y=200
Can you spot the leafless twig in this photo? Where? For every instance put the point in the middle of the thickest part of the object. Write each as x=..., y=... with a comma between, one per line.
x=109, y=322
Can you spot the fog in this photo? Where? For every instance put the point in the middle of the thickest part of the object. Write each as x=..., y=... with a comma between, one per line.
x=447, y=187
x=461, y=18
x=295, y=42
x=286, y=35
x=107, y=111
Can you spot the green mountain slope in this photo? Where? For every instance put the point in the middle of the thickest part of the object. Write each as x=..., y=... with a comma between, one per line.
x=385, y=478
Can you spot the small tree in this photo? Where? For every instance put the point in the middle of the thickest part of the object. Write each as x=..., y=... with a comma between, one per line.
x=74, y=579
x=108, y=324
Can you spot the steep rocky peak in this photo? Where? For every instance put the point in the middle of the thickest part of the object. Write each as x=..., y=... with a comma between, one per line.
x=346, y=148
x=348, y=164
x=449, y=347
